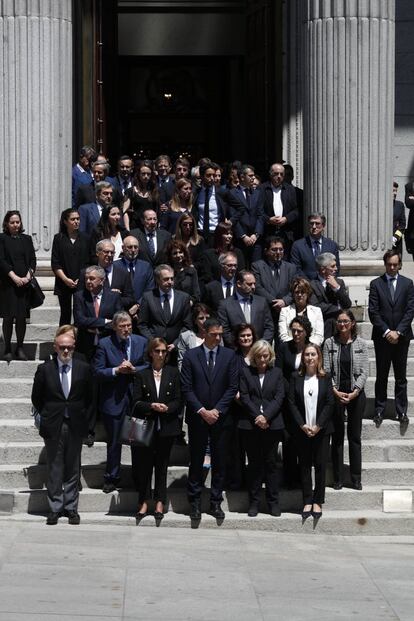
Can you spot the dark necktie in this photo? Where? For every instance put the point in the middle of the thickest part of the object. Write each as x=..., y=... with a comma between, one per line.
x=65, y=380
x=248, y=196
x=211, y=362
x=206, y=220
x=247, y=310
x=166, y=307
x=316, y=248
x=228, y=290
x=391, y=282
x=151, y=246
x=131, y=268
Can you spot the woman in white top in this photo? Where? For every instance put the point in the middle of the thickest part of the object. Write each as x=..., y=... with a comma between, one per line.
x=311, y=403
x=301, y=292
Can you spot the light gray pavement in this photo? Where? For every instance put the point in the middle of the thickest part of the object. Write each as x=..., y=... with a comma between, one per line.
x=63, y=573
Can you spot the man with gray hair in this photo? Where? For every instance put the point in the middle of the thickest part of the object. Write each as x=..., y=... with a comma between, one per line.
x=329, y=292
x=224, y=288
x=86, y=192
x=90, y=213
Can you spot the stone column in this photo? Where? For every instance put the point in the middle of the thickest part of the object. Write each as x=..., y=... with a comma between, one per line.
x=349, y=125
x=36, y=114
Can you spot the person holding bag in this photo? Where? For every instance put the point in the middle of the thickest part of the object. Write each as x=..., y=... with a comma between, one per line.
x=157, y=394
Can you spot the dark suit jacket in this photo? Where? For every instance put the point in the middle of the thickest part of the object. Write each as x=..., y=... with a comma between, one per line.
x=143, y=278
x=398, y=217
x=252, y=219
x=85, y=319
x=115, y=391
x=386, y=314
x=79, y=178
x=301, y=255
x=213, y=294
x=71, y=258
x=121, y=280
x=166, y=189
x=49, y=400
x=86, y=194
x=290, y=209
x=8, y=258
x=215, y=391
x=89, y=217
x=152, y=322
x=145, y=393
x=231, y=315
x=270, y=287
x=328, y=300
x=324, y=408
x=163, y=237
x=209, y=266
x=269, y=397
x=229, y=206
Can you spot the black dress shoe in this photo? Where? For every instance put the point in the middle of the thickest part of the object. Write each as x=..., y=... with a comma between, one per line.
x=8, y=356
x=20, y=355
x=195, y=510
x=316, y=514
x=356, y=484
x=377, y=420
x=52, y=518
x=274, y=509
x=403, y=419
x=337, y=485
x=89, y=440
x=108, y=487
x=216, y=510
x=253, y=509
x=73, y=517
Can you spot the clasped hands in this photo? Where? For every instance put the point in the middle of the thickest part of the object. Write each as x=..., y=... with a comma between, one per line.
x=159, y=407
x=261, y=422
x=125, y=368
x=311, y=430
x=392, y=337
x=210, y=416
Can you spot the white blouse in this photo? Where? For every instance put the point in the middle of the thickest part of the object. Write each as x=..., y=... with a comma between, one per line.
x=310, y=394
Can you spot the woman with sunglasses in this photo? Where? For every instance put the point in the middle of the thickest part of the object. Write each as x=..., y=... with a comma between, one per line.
x=345, y=355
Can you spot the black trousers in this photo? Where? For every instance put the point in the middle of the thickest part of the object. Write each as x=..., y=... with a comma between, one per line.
x=65, y=302
x=113, y=426
x=355, y=410
x=199, y=433
x=261, y=448
x=385, y=355
x=313, y=452
x=145, y=460
x=63, y=469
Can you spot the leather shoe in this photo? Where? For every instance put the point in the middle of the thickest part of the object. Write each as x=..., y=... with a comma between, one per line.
x=52, y=518
x=377, y=419
x=73, y=517
x=216, y=511
x=403, y=419
x=337, y=485
x=195, y=511
x=108, y=487
x=253, y=509
x=356, y=484
x=8, y=356
x=306, y=514
x=20, y=355
x=274, y=509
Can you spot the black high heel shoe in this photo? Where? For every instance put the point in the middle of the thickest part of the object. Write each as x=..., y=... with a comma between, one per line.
x=316, y=514
x=306, y=514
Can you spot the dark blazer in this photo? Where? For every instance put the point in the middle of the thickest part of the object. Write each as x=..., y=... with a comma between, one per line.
x=115, y=391
x=386, y=314
x=85, y=319
x=270, y=287
x=71, y=258
x=49, y=400
x=201, y=390
x=325, y=405
x=86, y=194
x=290, y=209
x=97, y=235
x=89, y=217
x=209, y=266
x=213, y=294
x=121, y=280
x=327, y=299
x=163, y=237
x=187, y=281
x=152, y=322
x=231, y=315
x=79, y=178
x=8, y=258
x=165, y=189
x=301, y=255
x=398, y=217
x=252, y=219
x=269, y=397
x=229, y=206
x=145, y=393
x=143, y=278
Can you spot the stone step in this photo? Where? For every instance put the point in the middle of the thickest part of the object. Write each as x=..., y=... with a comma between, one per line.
x=18, y=430
x=17, y=369
x=46, y=314
x=125, y=500
x=373, y=371
x=34, y=475
x=359, y=522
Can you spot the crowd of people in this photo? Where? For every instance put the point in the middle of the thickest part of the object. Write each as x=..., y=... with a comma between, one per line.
x=196, y=295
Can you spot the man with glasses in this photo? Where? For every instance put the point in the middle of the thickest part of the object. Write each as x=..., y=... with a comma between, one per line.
x=304, y=251
x=140, y=272
x=62, y=394
x=279, y=205
x=329, y=292
x=218, y=290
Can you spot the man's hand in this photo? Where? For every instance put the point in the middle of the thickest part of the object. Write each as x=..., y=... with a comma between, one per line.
x=392, y=337
x=278, y=304
x=125, y=368
x=278, y=220
x=261, y=422
x=210, y=416
x=332, y=282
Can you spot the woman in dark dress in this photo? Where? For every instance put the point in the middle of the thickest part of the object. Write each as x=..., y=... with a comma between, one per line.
x=186, y=231
x=70, y=255
x=17, y=263
x=223, y=242
x=108, y=227
x=143, y=195
x=181, y=202
x=157, y=393
x=185, y=275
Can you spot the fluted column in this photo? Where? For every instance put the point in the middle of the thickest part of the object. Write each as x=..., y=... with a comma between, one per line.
x=349, y=124
x=36, y=114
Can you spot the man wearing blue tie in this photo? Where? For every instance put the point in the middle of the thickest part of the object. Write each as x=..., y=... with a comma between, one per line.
x=117, y=359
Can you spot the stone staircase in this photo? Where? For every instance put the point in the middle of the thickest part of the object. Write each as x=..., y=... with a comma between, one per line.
x=388, y=463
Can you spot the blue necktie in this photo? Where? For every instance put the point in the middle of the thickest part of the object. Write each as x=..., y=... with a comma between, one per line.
x=65, y=380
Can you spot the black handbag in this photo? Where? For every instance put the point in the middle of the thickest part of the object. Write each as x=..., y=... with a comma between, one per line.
x=36, y=295
x=137, y=431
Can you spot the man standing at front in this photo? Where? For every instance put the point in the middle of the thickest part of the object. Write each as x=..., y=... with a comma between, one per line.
x=210, y=381
x=62, y=394
x=391, y=311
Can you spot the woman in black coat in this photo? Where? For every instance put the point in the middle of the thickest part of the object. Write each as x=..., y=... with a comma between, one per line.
x=70, y=253
x=311, y=402
x=157, y=393
x=261, y=421
x=17, y=263
x=185, y=274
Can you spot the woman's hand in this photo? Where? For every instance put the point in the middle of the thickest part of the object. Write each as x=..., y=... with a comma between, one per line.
x=308, y=430
x=261, y=422
x=159, y=407
x=18, y=281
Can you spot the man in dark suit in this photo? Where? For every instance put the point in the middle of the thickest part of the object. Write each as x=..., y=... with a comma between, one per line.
x=81, y=171
x=329, y=292
x=250, y=227
x=93, y=309
x=273, y=277
x=304, y=251
x=218, y=290
x=245, y=307
x=279, y=205
x=398, y=220
x=209, y=381
x=165, y=311
x=125, y=173
x=165, y=182
x=391, y=311
x=117, y=359
x=62, y=394
x=141, y=273
x=152, y=240
x=90, y=213
x=87, y=192
x=289, y=176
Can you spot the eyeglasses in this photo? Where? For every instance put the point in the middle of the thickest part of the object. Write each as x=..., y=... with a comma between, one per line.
x=343, y=322
x=65, y=347
x=297, y=331
x=107, y=251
